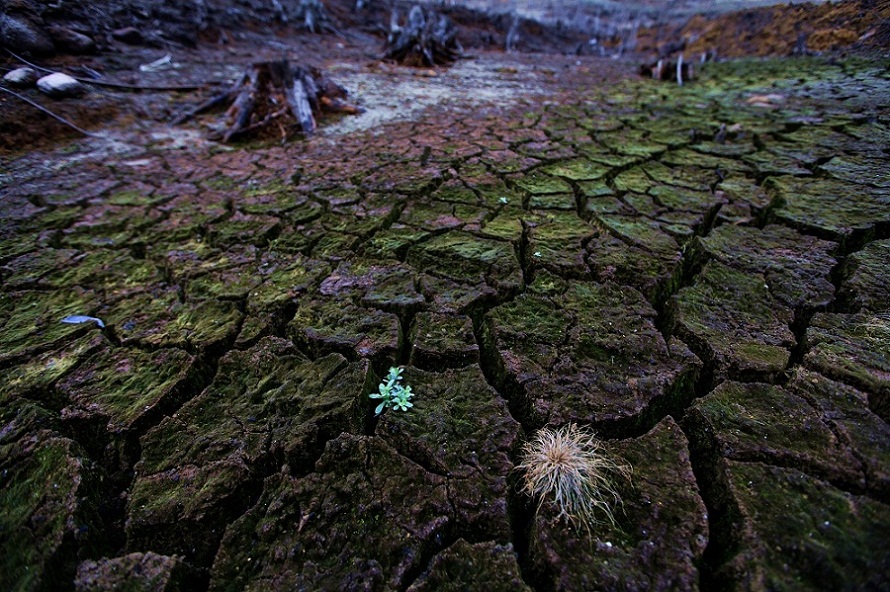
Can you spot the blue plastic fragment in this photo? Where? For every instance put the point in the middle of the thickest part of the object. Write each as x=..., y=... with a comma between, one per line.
x=78, y=319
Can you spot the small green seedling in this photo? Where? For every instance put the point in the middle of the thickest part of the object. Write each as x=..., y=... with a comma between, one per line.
x=392, y=393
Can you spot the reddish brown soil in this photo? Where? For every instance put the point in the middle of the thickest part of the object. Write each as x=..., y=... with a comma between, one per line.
x=779, y=30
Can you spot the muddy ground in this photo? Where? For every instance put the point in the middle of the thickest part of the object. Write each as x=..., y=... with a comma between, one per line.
x=698, y=273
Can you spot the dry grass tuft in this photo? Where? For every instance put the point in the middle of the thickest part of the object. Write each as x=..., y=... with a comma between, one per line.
x=567, y=467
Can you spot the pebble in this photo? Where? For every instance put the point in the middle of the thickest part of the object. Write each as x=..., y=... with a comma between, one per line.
x=60, y=85
x=21, y=77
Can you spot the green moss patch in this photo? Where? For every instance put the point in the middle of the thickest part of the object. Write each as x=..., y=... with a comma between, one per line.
x=557, y=241
x=266, y=406
x=126, y=388
x=866, y=283
x=797, y=268
x=441, y=341
x=493, y=567
x=463, y=257
x=591, y=354
x=325, y=326
x=459, y=427
x=161, y=319
x=846, y=410
x=365, y=518
x=760, y=422
x=735, y=322
x=840, y=211
x=32, y=320
x=800, y=533
x=48, y=496
x=136, y=572
x=854, y=349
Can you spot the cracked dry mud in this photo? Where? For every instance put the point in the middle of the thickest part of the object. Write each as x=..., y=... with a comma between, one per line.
x=582, y=250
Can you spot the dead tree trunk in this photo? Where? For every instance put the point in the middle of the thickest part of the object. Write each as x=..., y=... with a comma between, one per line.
x=512, y=34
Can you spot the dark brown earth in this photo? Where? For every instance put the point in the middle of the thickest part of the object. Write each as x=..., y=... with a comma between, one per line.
x=700, y=274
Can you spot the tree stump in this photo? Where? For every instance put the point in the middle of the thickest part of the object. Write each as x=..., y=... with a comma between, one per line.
x=314, y=16
x=424, y=40
x=268, y=91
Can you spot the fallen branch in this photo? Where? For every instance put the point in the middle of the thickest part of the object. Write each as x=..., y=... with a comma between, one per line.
x=43, y=109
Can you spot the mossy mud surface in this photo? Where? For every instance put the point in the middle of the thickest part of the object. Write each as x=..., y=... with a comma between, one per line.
x=699, y=274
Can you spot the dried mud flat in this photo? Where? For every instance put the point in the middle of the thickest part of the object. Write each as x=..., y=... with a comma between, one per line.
x=699, y=273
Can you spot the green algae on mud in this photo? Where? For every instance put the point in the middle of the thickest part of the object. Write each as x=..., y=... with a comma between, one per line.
x=591, y=354
x=578, y=170
x=326, y=326
x=268, y=406
x=32, y=320
x=849, y=214
x=49, y=496
x=372, y=515
x=800, y=533
x=162, y=319
x=736, y=325
x=127, y=388
x=462, y=257
x=556, y=242
x=35, y=376
x=854, y=349
x=796, y=268
x=137, y=571
x=765, y=423
x=442, y=341
x=493, y=567
x=866, y=273
x=846, y=410
x=460, y=428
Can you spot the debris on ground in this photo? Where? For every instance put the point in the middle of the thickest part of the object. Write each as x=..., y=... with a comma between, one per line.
x=164, y=63
x=679, y=71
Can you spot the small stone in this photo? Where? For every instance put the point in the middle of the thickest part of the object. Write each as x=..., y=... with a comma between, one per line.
x=60, y=85
x=21, y=77
x=69, y=41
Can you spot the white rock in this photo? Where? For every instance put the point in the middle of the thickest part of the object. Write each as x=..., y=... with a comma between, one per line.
x=21, y=77
x=60, y=85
